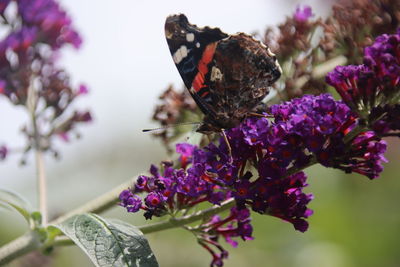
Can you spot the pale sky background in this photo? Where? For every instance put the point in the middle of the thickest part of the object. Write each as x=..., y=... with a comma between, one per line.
x=126, y=64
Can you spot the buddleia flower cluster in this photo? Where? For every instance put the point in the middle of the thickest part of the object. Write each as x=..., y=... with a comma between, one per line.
x=262, y=169
x=29, y=75
x=262, y=173
x=372, y=89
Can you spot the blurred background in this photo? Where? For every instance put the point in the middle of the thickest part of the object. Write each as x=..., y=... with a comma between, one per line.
x=126, y=64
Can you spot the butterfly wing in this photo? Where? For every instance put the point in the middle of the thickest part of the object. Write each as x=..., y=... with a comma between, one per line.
x=192, y=49
x=227, y=75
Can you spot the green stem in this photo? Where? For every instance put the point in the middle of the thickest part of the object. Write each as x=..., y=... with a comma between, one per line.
x=42, y=187
x=31, y=105
x=320, y=70
x=294, y=170
x=20, y=246
x=178, y=222
x=354, y=133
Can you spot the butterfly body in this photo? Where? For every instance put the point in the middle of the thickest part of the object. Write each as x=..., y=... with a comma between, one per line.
x=227, y=75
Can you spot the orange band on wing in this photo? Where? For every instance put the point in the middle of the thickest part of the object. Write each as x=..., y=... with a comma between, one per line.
x=208, y=54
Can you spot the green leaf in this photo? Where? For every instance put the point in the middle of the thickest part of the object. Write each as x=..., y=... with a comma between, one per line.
x=53, y=232
x=36, y=217
x=109, y=243
x=14, y=200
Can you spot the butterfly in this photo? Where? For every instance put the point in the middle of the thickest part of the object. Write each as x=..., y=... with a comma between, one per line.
x=227, y=75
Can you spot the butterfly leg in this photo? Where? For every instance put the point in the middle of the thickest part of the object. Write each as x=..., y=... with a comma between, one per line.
x=259, y=110
x=228, y=145
x=254, y=114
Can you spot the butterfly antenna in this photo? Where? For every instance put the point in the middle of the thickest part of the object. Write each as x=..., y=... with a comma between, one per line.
x=170, y=126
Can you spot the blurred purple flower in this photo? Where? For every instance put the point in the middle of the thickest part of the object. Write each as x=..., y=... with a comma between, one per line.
x=383, y=57
x=2, y=86
x=3, y=152
x=303, y=13
x=3, y=5
x=82, y=90
x=34, y=34
x=51, y=19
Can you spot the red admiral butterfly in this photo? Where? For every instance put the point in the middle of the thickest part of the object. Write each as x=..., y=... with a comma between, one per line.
x=227, y=75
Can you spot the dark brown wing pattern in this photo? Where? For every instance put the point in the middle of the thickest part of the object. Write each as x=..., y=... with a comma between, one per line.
x=227, y=75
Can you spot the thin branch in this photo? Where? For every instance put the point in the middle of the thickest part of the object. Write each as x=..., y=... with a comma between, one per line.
x=177, y=222
x=322, y=69
x=42, y=187
x=20, y=246
x=31, y=105
x=391, y=135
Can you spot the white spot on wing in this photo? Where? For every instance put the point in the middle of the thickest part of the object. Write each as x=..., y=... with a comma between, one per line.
x=216, y=74
x=192, y=90
x=184, y=51
x=180, y=54
x=197, y=44
x=190, y=37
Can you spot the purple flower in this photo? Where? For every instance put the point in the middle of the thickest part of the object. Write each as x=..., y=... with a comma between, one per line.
x=262, y=173
x=130, y=201
x=311, y=124
x=3, y=85
x=236, y=224
x=242, y=189
x=186, y=152
x=371, y=155
x=141, y=184
x=38, y=28
x=82, y=116
x=82, y=90
x=34, y=32
x=3, y=152
x=64, y=136
x=302, y=14
x=389, y=119
x=371, y=90
x=3, y=5
x=51, y=19
x=70, y=123
x=383, y=57
x=285, y=199
x=18, y=41
x=355, y=84
x=154, y=200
